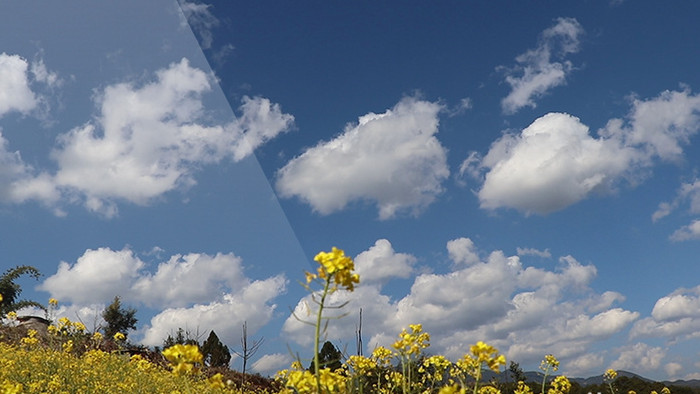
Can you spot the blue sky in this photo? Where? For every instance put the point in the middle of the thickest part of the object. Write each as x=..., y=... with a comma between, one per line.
x=520, y=174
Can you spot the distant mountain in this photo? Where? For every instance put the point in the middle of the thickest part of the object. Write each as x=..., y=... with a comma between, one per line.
x=694, y=383
x=599, y=378
x=535, y=376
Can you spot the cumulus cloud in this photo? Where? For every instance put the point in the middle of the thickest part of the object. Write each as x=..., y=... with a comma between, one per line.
x=251, y=304
x=97, y=276
x=381, y=262
x=524, y=311
x=15, y=92
x=674, y=317
x=268, y=364
x=200, y=19
x=148, y=140
x=687, y=192
x=639, y=357
x=555, y=162
x=534, y=252
x=462, y=251
x=540, y=69
x=209, y=291
x=392, y=159
x=552, y=164
x=13, y=171
x=690, y=193
x=24, y=86
x=194, y=277
x=690, y=231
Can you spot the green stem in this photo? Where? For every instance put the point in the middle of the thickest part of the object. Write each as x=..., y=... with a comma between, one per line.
x=478, y=378
x=403, y=373
x=317, y=335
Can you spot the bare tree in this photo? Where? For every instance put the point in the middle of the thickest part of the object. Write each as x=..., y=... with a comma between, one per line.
x=247, y=351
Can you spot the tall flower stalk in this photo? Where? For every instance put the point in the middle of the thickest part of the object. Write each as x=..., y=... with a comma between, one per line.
x=609, y=376
x=335, y=272
x=548, y=365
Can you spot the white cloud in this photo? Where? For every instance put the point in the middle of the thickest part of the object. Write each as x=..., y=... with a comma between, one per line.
x=674, y=317
x=526, y=312
x=14, y=173
x=97, y=276
x=536, y=73
x=467, y=298
x=377, y=315
x=691, y=231
x=147, y=141
x=392, y=159
x=381, y=262
x=252, y=303
x=659, y=126
x=552, y=164
x=191, y=278
x=687, y=191
x=462, y=251
x=193, y=291
x=673, y=369
x=200, y=19
x=534, y=252
x=585, y=362
x=555, y=162
x=15, y=93
x=269, y=364
x=640, y=358
x=43, y=75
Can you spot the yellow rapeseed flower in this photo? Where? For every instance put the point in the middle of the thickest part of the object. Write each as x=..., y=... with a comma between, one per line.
x=63, y=323
x=489, y=355
x=489, y=390
x=550, y=363
x=30, y=339
x=10, y=387
x=413, y=343
x=12, y=315
x=216, y=381
x=610, y=375
x=301, y=382
x=560, y=385
x=183, y=357
x=523, y=388
x=336, y=265
x=80, y=327
x=68, y=346
x=119, y=337
x=53, y=301
x=453, y=389
x=361, y=365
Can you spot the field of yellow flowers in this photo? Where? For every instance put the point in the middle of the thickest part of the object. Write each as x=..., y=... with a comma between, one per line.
x=67, y=359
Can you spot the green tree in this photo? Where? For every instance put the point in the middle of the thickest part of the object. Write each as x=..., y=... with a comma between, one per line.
x=182, y=337
x=215, y=353
x=328, y=357
x=118, y=319
x=10, y=290
x=516, y=372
